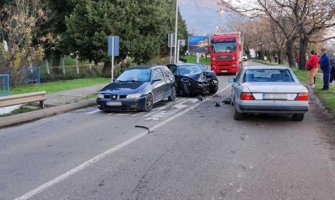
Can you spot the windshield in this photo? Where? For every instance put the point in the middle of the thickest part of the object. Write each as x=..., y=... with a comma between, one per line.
x=188, y=69
x=267, y=75
x=141, y=75
x=204, y=67
x=224, y=47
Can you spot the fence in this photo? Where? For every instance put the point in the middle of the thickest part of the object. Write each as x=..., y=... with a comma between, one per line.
x=63, y=72
x=32, y=75
x=4, y=85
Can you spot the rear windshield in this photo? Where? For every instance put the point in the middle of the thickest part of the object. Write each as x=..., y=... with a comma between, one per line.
x=267, y=75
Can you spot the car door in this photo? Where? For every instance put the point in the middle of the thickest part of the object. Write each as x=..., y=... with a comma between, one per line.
x=158, y=84
x=170, y=81
x=236, y=86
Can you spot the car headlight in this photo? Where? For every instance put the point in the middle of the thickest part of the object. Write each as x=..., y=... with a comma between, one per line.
x=133, y=96
x=203, y=77
x=100, y=96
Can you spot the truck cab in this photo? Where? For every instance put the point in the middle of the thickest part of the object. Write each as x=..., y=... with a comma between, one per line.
x=226, y=52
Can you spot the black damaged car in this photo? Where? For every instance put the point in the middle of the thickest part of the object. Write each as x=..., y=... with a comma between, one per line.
x=193, y=79
x=138, y=88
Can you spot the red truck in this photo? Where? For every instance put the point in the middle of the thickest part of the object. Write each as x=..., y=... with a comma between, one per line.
x=226, y=51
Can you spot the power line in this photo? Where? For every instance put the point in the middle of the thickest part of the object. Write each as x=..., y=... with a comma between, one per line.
x=196, y=4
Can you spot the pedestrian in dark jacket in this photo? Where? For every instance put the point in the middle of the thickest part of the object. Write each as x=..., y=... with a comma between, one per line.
x=326, y=68
x=332, y=73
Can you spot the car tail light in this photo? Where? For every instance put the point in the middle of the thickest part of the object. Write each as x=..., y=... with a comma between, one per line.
x=246, y=96
x=302, y=97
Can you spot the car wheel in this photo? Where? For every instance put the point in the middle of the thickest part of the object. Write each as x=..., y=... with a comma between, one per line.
x=149, y=102
x=298, y=117
x=237, y=115
x=173, y=95
x=184, y=92
x=214, y=88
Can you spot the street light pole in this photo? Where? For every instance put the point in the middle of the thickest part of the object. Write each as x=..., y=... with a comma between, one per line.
x=176, y=34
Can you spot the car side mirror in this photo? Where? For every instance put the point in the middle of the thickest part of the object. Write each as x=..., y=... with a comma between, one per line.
x=232, y=80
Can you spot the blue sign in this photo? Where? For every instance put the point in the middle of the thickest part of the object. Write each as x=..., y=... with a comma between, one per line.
x=198, y=44
x=113, y=46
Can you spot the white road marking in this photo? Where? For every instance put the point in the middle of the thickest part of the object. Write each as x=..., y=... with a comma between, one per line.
x=136, y=114
x=92, y=112
x=97, y=158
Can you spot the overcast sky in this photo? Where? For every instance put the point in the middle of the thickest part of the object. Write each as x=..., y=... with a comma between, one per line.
x=202, y=16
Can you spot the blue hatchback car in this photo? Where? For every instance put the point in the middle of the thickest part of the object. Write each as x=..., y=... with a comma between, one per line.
x=138, y=88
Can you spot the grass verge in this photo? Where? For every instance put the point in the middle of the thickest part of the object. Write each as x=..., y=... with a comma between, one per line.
x=192, y=59
x=57, y=86
x=23, y=109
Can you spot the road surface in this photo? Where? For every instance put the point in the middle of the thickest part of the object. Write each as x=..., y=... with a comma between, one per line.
x=193, y=150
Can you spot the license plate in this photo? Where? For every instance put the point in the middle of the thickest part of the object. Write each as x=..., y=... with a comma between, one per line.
x=275, y=96
x=114, y=103
x=224, y=70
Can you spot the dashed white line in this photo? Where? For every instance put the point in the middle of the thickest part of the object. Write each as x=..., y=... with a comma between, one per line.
x=97, y=158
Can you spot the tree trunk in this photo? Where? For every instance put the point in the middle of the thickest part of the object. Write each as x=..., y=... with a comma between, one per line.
x=106, y=71
x=280, y=57
x=302, y=52
x=56, y=57
x=289, y=52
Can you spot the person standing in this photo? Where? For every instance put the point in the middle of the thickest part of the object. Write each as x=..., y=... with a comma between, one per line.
x=332, y=73
x=326, y=68
x=312, y=68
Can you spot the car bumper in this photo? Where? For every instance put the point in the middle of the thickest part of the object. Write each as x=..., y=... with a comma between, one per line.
x=288, y=107
x=124, y=105
x=196, y=88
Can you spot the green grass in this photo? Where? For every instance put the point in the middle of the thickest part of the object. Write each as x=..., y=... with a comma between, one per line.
x=19, y=111
x=57, y=86
x=327, y=97
x=192, y=59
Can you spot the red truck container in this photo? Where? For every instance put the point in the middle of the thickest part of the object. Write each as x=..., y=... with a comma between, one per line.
x=226, y=51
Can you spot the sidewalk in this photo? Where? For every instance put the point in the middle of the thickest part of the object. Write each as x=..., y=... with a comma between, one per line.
x=57, y=103
x=71, y=96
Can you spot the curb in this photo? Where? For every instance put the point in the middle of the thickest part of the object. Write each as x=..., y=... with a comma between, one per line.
x=47, y=112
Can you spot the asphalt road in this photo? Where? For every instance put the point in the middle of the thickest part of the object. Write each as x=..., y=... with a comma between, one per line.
x=194, y=150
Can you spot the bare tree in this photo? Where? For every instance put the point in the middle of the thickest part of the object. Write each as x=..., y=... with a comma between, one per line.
x=19, y=19
x=297, y=19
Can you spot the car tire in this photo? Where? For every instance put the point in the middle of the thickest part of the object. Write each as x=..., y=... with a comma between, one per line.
x=237, y=115
x=214, y=88
x=149, y=102
x=184, y=92
x=173, y=95
x=298, y=117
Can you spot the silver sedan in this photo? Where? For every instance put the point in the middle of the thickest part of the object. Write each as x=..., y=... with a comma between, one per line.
x=268, y=89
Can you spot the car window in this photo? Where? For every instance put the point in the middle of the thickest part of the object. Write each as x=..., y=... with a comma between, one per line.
x=173, y=68
x=267, y=75
x=167, y=72
x=188, y=69
x=142, y=75
x=158, y=74
x=202, y=66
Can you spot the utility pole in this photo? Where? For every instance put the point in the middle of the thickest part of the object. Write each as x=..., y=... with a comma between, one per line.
x=176, y=34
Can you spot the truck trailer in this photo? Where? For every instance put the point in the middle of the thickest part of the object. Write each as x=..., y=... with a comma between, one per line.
x=226, y=52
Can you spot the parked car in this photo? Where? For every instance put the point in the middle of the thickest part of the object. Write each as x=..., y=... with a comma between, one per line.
x=192, y=79
x=138, y=88
x=268, y=89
